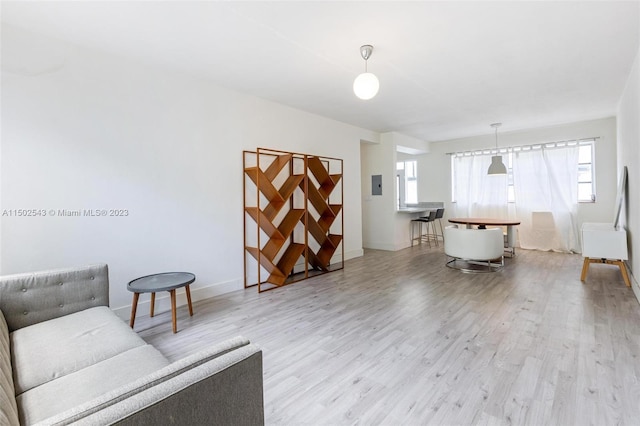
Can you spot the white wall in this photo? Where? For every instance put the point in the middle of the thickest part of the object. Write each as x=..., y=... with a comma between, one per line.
x=382, y=227
x=83, y=129
x=434, y=180
x=378, y=210
x=629, y=155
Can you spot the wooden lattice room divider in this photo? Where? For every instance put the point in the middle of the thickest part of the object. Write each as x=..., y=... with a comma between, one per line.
x=293, y=218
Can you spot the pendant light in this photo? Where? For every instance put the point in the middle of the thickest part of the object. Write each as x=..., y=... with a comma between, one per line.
x=497, y=167
x=366, y=85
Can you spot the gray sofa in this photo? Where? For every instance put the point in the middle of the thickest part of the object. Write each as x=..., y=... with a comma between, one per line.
x=67, y=358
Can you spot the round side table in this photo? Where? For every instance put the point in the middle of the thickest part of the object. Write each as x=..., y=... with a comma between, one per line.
x=166, y=281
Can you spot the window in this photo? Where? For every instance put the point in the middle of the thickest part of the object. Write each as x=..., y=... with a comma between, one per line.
x=586, y=181
x=511, y=193
x=407, y=182
x=507, y=158
x=586, y=178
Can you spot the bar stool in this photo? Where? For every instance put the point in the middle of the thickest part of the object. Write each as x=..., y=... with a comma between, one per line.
x=412, y=225
x=431, y=219
x=439, y=216
x=427, y=236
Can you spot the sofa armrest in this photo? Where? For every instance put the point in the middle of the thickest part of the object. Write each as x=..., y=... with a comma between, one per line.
x=30, y=298
x=218, y=385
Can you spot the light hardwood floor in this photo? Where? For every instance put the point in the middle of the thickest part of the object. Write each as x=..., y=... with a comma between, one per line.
x=398, y=338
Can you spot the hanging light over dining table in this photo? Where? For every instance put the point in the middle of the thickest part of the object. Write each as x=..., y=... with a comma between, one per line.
x=497, y=166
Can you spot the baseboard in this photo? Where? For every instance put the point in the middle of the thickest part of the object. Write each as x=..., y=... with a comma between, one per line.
x=402, y=245
x=352, y=254
x=299, y=267
x=163, y=302
x=395, y=247
x=634, y=283
x=380, y=246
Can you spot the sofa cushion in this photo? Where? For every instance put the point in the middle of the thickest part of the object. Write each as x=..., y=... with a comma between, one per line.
x=118, y=402
x=224, y=391
x=76, y=388
x=48, y=350
x=8, y=409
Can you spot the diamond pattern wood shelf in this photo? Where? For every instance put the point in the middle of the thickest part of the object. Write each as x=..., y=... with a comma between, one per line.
x=293, y=217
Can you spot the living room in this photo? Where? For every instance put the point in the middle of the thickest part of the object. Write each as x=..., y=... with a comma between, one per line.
x=105, y=108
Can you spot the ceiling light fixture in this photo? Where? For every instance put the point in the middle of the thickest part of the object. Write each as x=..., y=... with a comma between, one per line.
x=497, y=167
x=366, y=85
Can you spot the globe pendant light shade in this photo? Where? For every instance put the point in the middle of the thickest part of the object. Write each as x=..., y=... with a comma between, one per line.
x=497, y=167
x=366, y=86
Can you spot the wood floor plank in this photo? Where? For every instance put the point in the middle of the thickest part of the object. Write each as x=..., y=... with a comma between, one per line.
x=398, y=338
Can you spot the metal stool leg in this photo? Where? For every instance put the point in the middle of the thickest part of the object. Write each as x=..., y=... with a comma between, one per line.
x=412, y=224
x=427, y=237
x=435, y=233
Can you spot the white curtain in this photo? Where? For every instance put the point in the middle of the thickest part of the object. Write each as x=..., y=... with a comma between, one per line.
x=477, y=193
x=545, y=182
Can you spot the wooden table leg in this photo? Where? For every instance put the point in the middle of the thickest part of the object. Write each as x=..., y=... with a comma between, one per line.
x=153, y=303
x=585, y=269
x=619, y=263
x=134, y=306
x=174, y=320
x=189, y=300
x=623, y=271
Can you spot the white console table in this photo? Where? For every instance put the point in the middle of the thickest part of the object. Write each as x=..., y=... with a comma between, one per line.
x=602, y=243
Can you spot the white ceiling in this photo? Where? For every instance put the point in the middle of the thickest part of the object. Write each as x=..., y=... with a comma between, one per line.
x=446, y=69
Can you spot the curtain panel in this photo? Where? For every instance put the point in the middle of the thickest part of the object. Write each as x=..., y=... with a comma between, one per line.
x=479, y=194
x=545, y=184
